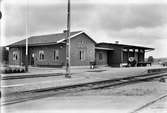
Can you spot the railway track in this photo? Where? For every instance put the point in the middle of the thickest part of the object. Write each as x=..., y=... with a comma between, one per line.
x=44, y=93
x=148, y=104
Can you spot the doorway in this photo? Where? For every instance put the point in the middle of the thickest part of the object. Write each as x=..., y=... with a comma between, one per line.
x=32, y=59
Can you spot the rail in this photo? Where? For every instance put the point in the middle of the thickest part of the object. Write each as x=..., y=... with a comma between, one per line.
x=42, y=93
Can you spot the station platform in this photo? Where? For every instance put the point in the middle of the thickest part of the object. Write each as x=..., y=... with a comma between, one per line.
x=42, y=78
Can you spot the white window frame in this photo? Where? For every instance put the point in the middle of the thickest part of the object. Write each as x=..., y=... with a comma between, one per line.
x=15, y=55
x=82, y=55
x=130, y=50
x=56, y=54
x=41, y=55
x=136, y=50
x=125, y=50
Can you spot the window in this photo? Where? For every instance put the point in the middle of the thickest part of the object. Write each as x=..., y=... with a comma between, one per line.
x=81, y=44
x=136, y=50
x=125, y=50
x=82, y=55
x=141, y=50
x=100, y=56
x=15, y=55
x=56, y=54
x=41, y=55
x=131, y=50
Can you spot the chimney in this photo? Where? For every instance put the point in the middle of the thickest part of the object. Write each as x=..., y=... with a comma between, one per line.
x=64, y=31
x=116, y=42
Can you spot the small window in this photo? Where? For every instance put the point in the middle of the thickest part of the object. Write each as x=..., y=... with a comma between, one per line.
x=15, y=55
x=41, y=55
x=136, y=50
x=56, y=54
x=82, y=42
x=131, y=50
x=82, y=55
x=100, y=56
x=141, y=50
x=125, y=50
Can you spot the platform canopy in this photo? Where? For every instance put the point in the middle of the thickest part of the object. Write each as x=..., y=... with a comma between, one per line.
x=124, y=46
x=103, y=48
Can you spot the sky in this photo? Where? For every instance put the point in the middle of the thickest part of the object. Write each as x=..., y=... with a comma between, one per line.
x=135, y=22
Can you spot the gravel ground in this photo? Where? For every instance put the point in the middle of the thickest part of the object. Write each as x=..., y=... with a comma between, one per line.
x=157, y=107
x=78, y=77
x=123, y=99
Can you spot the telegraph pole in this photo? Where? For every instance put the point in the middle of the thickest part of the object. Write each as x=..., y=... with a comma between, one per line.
x=0, y=14
x=27, y=35
x=68, y=64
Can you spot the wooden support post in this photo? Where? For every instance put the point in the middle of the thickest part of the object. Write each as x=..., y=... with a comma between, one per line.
x=68, y=64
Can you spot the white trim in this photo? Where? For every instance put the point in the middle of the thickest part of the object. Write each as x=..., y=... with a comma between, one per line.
x=130, y=50
x=56, y=55
x=125, y=50
x=59, y=41
x=76, y=34
x=15, y=55
x=40, y=57
x=102, y=48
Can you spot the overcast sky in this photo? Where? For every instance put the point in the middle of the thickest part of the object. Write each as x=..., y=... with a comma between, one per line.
x=133, y=22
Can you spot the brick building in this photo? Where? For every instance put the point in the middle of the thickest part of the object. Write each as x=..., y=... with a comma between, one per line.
x=114, y=54
x=49, y=50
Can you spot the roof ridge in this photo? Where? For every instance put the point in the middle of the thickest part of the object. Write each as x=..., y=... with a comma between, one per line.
x=120, y=44
x=57, y=37
x=53, y=34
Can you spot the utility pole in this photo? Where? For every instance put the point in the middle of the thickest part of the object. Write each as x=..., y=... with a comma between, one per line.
x=0, y=14
x=68, y=64
x=27, y=35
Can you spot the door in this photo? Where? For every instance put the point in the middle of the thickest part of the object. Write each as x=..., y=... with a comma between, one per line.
x=32, y=58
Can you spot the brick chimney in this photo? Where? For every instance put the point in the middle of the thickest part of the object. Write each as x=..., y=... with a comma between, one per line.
x=64, y=31
x=116, y=42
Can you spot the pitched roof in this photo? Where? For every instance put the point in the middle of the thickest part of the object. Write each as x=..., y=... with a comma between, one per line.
x=45, y=39
x=124, y=45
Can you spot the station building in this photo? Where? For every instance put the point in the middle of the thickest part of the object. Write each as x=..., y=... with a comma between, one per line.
x=50, y=50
